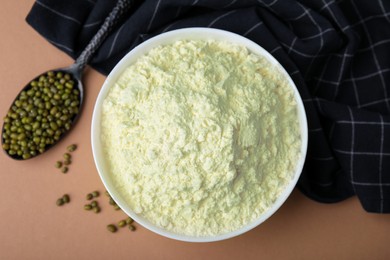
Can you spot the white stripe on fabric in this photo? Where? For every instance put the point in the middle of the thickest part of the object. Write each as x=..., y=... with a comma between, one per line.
x=306, y=100
x=274, y=50
x=327, y=184
x=370, y=183
x=373, y=54
x=270, y=4
x=370, y=75
x=169, y=26
x=322, y=158
x=326, y=5
x=322, y=75
x=384, y=11
x=374, y=45
x=195, y=2
x=178, y=12
x=380, y=162
x=299, y=16
x=352, y=143
x=366, y=20
x=326, y=81
x=294, y=72
x=58, y=13
x=331, y=131
x=252, y=28
x=220, y=17
x=153, y=16
x=87, y=25
x=341, y=55
x=61, y=45
x=356, y=78
x=292, y=45
x=362, y=122
x=231, y=3
x=317, y=100
x=361, y=153
x=374, y=103
x=305, y=55
x=344, y=56
x=333, y=16
x=321, y=38
x=355, y=90
x=318, y=34
x=336, y=91
x=114, y=41
x=319, y=105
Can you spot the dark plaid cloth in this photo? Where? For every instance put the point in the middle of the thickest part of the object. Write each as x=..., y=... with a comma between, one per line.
x=337, y=52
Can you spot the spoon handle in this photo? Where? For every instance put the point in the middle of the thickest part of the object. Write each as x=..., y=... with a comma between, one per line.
x=120, y=8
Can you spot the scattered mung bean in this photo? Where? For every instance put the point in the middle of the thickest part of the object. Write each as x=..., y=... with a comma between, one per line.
x=112, y=228
x=58, y=164
x=67, y=156
x=67, y=162
x=87, y=207
x=66, y=198
x=64, y=169
x=71, y=148
x=132, y=227
x=60, y=202
x=122, y=223
x=94, y=203
x=129, y=220
x=89, y=196
x=35, y=120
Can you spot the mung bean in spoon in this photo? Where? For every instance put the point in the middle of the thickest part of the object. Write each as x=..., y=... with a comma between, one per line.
x=48, y=106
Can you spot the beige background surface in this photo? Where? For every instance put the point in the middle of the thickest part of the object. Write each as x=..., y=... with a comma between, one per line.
x=33, y=227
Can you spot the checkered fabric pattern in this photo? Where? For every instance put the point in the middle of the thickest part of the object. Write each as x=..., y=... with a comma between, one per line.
x=337, y=53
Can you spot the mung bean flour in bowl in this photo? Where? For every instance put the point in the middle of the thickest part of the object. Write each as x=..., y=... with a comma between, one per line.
x=199, y=134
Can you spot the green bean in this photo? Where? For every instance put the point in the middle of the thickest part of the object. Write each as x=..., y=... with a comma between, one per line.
x=112, y=228
x=132, y=228
x=67, y=162
x=64, y=169
x=129, y=220
x=122, y=223
x=66, y=198
x=60, y=202
x=58, y=164
x=72, y=148
x=89, y=196
x=87, y=207
x=46, y=108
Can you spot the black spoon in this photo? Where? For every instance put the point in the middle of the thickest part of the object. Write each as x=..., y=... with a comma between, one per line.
x=21, y=135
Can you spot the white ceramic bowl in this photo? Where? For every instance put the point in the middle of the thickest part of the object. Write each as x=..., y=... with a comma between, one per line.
x=130, y=58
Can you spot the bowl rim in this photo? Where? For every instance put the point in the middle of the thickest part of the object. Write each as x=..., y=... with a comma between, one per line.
x=192, y=33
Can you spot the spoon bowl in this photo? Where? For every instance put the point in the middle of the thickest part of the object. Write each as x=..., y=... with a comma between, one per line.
x=75, y=75
x=29, y=114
